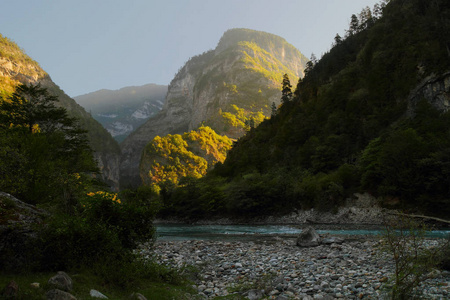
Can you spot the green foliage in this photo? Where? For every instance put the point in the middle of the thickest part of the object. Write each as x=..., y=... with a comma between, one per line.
x=240, y=118
x=261, y=61
x=117, y=280
x=18, y=63
x=173, y=157
x=103, y=229
x=413, y=258
x=286, y=91
x=255, y=66
x=43, y=149
x=345, y=129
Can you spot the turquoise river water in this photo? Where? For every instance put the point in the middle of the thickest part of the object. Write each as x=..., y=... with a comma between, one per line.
x=255, y=232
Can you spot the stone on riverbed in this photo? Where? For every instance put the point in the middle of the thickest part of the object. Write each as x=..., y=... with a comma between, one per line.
x=351, y=270
x=308, y=238
x=255, y=294
x=332, y=240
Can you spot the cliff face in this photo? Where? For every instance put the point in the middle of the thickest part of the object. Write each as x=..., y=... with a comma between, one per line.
x=435, y=89
x=241, y=77
x=17, y=68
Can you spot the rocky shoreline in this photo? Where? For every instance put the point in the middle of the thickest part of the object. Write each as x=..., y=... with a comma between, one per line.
x=356, y=216
x=278, y=269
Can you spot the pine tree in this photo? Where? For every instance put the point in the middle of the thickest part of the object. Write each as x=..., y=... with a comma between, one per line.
x=274, y=110
x=286, y=92
x=48, y=144
x=337, y=39
x=354, y=25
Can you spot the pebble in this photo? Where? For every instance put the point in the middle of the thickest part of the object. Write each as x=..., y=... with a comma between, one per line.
x=281, y=270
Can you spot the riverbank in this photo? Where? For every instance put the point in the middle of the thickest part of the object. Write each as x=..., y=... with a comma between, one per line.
x=277, y=269
x=362, y=216
x=357, y=216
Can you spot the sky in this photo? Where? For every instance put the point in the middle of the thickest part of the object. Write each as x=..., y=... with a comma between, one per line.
x=88, y=45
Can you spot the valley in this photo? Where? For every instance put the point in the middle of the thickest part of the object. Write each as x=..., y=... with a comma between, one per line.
x=255, y=173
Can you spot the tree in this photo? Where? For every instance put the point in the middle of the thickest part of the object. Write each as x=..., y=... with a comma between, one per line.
x=337, y=39
x=354, y=25
x=377, y=11
x=366, y=18
x=286, y=92
x=33, y=108
x=274, y=110
x=49, y=148
x=310, y=64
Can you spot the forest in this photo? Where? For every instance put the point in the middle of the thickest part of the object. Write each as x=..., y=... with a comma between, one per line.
x=352, y=125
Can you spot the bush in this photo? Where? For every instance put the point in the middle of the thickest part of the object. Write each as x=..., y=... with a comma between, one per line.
x=104, y=228
x=72, y=241
x=413, y=258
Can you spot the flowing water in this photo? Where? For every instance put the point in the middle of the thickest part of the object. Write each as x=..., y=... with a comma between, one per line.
x=167, y=231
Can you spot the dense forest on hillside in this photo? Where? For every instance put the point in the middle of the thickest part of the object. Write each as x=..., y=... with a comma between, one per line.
x=354, y=124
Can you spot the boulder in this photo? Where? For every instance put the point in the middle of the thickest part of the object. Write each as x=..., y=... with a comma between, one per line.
x=10, y=290
x=332, y=240
x=308, y=238
x=56, y=294
x=137, y=296
x=255, y=294
x=97, y=294
x=61, y=281
x=19, y=223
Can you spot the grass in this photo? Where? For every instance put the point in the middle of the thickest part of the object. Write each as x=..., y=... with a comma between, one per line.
x=84, y=281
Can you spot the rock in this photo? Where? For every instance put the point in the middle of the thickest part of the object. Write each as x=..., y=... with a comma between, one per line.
x=35, y=285
x=332, y=240
x=137, y=296
x=56, y=294
x=255, y=294
x=301, y=272
x=11, y=290
x=18, y=233
x=97, y=294
x=61, y=281
x=308, y=238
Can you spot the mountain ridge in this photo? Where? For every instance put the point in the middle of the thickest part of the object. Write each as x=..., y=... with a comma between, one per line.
x=123, y=110
x=16, y=67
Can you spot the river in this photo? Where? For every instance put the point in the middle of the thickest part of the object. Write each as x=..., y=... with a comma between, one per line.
x=167, y=231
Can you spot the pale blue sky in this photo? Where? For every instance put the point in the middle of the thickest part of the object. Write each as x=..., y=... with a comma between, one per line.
x=87, y=45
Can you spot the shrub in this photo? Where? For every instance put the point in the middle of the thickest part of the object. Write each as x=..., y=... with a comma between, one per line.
x=72, y=241
x=105, y=228
x=413, y=258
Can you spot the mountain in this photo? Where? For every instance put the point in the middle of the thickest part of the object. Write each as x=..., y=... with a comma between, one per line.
x=122, y=111
x=222, y=88
x=371, y=116
x=16, y=68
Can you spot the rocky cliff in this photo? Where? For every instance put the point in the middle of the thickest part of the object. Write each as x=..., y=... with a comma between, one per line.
x=16, y=68
x=240, y=78
x=435, y=89
x=122, y=111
